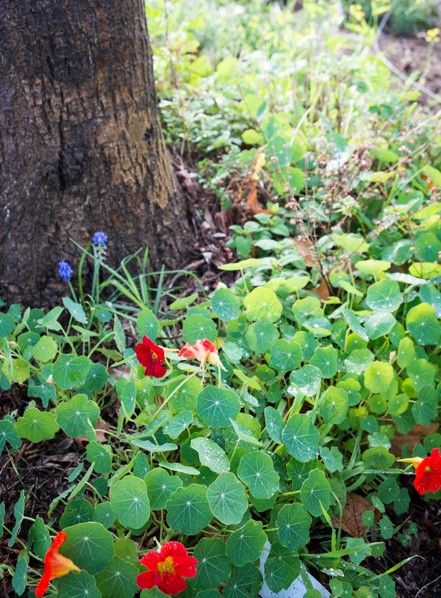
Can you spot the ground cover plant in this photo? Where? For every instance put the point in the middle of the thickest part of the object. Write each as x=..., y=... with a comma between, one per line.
x=291, y=409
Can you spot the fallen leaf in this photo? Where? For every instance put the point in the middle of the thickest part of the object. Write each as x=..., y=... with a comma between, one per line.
x=412, y=438
x=322, y=290
x=306, y=249
x=351, y=519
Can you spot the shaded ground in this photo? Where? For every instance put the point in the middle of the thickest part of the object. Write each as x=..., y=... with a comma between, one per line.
x=414, y=55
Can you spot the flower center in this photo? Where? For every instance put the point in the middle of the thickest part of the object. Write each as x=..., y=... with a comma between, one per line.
x=154, y=356
x=427, y=469
x=166, y=566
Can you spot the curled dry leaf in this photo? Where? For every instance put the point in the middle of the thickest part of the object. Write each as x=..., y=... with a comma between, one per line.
x=351, y=520
x=305, y=247
x=412, y=438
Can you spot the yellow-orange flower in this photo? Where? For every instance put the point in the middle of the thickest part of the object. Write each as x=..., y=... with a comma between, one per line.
x=55, y=565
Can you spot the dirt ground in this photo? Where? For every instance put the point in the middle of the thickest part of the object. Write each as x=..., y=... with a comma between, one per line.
x=413, y=55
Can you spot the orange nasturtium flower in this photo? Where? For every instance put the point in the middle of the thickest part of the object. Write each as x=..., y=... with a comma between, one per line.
x=167, y=569
x=203, y=350
x=427, y=472
x=55, y=565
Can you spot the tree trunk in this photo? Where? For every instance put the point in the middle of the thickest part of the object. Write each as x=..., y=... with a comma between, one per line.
x=81, y=147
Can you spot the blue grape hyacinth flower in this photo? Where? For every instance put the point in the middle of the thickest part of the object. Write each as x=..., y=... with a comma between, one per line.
x=99, y=239
x=65, y=270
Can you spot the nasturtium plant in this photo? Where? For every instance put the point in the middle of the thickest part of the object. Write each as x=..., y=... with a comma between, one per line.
x=277, y=415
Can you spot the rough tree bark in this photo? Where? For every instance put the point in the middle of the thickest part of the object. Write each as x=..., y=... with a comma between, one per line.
x=81, y=147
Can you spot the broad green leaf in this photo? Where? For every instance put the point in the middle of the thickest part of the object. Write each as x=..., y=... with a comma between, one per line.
x=257, y=471
x=378, y=376
x=211, y=454
x=78, y=585
x=76, y=511
x=36, y=426
x=273, y=424
x=104, y=514
x=358, y=360
x=39, y=539
x=188, y=509
x=101, y=456
x=281, y=568
x=45, y=349
x=89, y=545
x=422, y=373
x=147, y=324
x=316, y=491
x=245, y=545
x=225, y=304
x=262, y=303
x=130, y=501
x=197, y=326
x=77, y=415
x=379, y=324
x=244, y=582
x=217, y=405
x=384, y=295
x=261, y=336
x=293, y=522
x=301, y=438
x=333, y=405
x=126, y=391
x=306, y=381
x=71, y=371
x=177, y=424
x=7, y=324
x=118, y=579
x=423, y=324
x=20, y=577
x=325, y=359
x=160, y=487
x=227, y=499
x=19, y=509
x=75, y=309
x=285, y=355
x=214, y=566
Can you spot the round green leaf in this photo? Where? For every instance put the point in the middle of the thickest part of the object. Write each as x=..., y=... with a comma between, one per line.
x=186, y=396
x=118, y=579
x=422, y=373
x=7, y=324
x=316, y=490
x=104, y=514
x=406, y=352
x=384, y=295
x=211, y=454
x=256, y=470
x=244, y=582
x=325, y=359
x=196, y=326
x=225, y=304
x=261, y=335
x=281, y=568
x=227, y=499
x=77, y=416
x=305, y=381
x=213, y=566
x=273, y=424
x=216, y=406
x=76, y=511
x=101, y=456
x=45, y=349
x=285, y=355
x=188, y=509
x=71, y=371
x=262, y=303
x=378, y=376
x=160, y=486
x=333, y=406
x=35, y=425
x=89, y=546
x=245, y=545
x=78, y=585
x=147, y=324
x=293, y=522
x=358, y=360
x=423, y=324
x=130, y=502
x=301, y=438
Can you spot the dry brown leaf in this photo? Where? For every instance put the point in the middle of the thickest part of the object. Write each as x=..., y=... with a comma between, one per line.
x=322, y=290
x=351, y=519
x=412, y=438
x=306, y=249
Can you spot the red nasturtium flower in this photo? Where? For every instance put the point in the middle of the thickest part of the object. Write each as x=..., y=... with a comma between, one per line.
x=203, y=350
x=55, y=565
x=427, y=472
x=151, y=356
x=167, y=569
